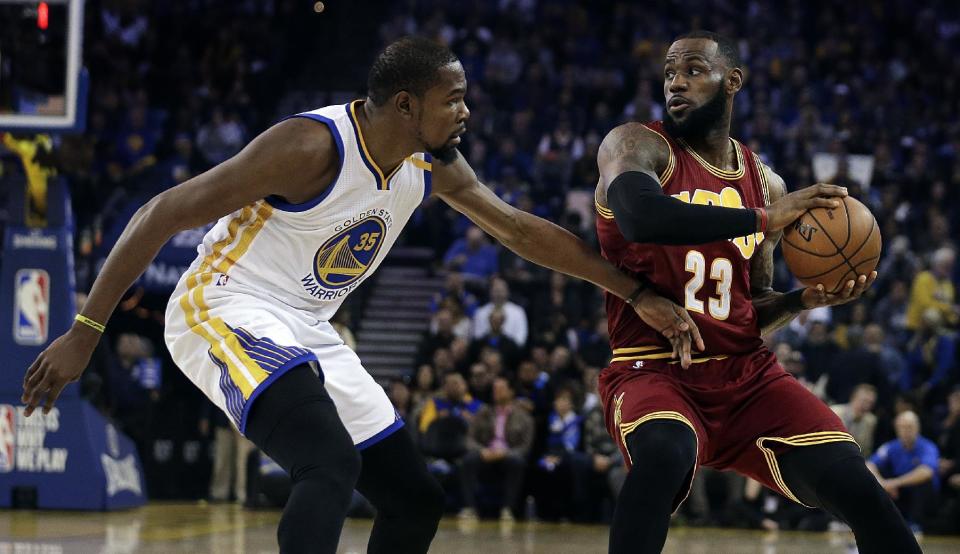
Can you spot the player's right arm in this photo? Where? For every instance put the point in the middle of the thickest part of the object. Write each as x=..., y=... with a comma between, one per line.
x=295, y=159
x=630, y=159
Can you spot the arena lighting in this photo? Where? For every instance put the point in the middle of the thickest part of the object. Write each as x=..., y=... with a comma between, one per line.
x=43, y=16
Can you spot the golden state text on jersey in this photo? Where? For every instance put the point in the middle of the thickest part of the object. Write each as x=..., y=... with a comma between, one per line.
x=343, y=259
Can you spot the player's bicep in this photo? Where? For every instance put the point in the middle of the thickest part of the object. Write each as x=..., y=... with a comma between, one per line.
x=286, y=160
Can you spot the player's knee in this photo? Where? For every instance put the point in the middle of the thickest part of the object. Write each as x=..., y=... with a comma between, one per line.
x=664, y=446
x=420, y=500
x=337, y=469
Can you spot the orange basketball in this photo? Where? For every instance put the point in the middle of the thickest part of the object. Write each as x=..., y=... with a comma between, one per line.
x=832, y=246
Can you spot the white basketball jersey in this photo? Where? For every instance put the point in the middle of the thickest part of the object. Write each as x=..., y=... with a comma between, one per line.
x=310, y=256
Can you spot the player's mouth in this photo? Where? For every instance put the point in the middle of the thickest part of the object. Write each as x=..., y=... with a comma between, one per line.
x=455, y=138
x=678, y=104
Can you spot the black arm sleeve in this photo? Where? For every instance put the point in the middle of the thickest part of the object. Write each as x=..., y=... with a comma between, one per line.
x=645, y=214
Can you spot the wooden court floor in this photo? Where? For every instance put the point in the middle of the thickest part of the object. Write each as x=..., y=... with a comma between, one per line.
x=170, y=528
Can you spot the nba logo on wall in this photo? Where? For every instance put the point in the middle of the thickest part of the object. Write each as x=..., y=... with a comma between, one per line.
x=8, y=418
x=31, y=307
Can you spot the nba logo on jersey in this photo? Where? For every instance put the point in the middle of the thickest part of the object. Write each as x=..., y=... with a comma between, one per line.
x=31, y=307
x=8, y=417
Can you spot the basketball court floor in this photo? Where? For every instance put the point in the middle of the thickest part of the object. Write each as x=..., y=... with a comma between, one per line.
x=170, y=528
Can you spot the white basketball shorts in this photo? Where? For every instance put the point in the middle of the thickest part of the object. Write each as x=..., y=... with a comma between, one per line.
x=233, y=343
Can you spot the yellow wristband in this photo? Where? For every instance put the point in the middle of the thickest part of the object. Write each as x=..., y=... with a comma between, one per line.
x=90, y=323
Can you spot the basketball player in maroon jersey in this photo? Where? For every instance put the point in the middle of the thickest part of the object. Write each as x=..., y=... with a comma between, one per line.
x=670, y=203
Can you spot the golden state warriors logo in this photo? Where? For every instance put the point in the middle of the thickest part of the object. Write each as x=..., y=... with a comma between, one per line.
x=346, y=257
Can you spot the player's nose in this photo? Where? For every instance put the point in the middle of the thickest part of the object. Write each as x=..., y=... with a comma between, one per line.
x=678, y=83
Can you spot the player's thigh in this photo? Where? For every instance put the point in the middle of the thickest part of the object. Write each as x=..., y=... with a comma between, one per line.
x=363, y=405
x=631, y=399
x=776, y=416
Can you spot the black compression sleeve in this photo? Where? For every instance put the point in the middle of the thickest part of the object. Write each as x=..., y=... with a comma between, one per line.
x=645, y=214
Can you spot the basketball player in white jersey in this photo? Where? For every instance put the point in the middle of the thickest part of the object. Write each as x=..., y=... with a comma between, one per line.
x=307, y=211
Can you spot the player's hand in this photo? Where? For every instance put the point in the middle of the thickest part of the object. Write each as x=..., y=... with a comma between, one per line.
x=788, y=209
x=815, y=297
x=671, y=321
x=60, y=364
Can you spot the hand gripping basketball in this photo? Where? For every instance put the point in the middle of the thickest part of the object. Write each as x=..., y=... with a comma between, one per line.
x=785, y=211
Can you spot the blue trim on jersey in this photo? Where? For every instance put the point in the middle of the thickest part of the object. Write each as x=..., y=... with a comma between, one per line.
x=427, y=177
x=308, y=357
x=279, y=202
x=363, y=155
x=397, y=424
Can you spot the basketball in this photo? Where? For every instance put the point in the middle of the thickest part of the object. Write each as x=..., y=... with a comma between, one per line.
x=832, y=246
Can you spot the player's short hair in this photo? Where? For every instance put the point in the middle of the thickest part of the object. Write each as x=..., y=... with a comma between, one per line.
x=726, y=47
x=410, y=64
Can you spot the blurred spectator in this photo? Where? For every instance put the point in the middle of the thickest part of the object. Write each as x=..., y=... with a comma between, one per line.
x=424, y=386
x=931, y=357
x=230, y=453
x=497, y=340
x=856, y=364
x=472, y=256
x=891, y=312
x=437, y=338
x=453, y=286
x=950, y=463
x=401, y=398
x=515, y=318
x=605, y=470
x=558, y=490
x=819, y=352
x=221, y=137
x=857, y=416
x=499, y=441
x=443, y=419
x=934, y=289
x=890, y=359
x=907, y=469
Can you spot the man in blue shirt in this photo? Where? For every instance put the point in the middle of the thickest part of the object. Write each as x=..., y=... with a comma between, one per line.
x=907, y=468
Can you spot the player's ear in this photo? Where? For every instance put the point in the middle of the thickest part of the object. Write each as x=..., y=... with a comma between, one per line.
x=734, y=80
x=405, y=104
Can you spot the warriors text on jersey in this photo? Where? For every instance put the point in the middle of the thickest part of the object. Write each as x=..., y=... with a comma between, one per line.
x=258, y=299
x=711, y=281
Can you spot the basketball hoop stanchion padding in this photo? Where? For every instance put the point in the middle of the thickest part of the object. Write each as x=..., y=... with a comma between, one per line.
x=72, y=458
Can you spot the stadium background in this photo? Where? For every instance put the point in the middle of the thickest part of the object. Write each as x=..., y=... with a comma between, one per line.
x=177, y=87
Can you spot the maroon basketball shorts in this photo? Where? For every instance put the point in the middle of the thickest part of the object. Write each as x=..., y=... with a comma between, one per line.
x=744, y=409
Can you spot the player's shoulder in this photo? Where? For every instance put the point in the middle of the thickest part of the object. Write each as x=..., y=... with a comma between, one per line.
x=633, y=146
x=633, y=136
x=775, y=187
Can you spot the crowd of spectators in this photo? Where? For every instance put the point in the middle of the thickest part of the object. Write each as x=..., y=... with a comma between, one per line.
x=502, y=396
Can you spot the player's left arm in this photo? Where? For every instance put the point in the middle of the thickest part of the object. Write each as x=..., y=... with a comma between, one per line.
x=777, y=309
x=549, y=245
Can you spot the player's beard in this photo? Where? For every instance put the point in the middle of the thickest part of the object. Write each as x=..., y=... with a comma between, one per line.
x=699, y=121
x=446, y=154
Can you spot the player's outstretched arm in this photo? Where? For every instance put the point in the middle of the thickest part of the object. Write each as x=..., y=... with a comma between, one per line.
x=777, y=309
x=630, y=158
x=549, y=245
x=285, y=160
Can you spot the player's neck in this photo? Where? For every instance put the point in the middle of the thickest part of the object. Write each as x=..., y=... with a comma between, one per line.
x=715, y=147
x=381, y=139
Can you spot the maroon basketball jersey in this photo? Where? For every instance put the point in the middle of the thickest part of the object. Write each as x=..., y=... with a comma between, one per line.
x=712, y=281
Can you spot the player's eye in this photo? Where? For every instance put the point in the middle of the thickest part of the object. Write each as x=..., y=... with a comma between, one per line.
x=669, y=74
x=695, y=71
